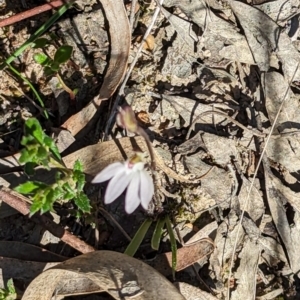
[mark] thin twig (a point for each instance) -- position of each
(132, 14)
(220, 113)
(41, 110)
(20, 203)
(116, 223)
(31, 12)
(37, 34)
(65, 87)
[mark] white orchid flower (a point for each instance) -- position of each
(131, 175)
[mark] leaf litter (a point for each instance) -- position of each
(235, 58)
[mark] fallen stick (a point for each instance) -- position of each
(20, 203)
(31, 12)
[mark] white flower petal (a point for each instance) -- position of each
(108, 172)
(132, 200)
(146, 189)
(116, 186)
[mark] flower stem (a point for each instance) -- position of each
(143, 134)
(65, 87)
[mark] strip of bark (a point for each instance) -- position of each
(31, 12)
(20, 203)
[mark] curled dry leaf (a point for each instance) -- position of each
(120, 40)
(119, 275)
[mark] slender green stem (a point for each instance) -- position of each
(37, 34)
(65, 87)
(58, 165)
(173, 245)
(138, 238)
(32, 88)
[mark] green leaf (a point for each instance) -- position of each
(29, 168)
(63, 54)
(42, 153)
(80, 178)
(155, 241)
(77, 166)
(71, 192)
(41, 59)
(68, 196)
(28, 155)
(52, 146)
(75, 91)
(30, 187)
(33, 127)
(58, 193)
(55, 66)
(138, 238)
(173, 245)
(48, 71)
(35, 207)
(83, 202)
(40, 43)
(48, 201)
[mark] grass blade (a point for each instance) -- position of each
(173, 245)
(37, 34)
(138, 238)
(155, 241)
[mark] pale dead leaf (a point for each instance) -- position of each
(276, 199)
(279, 10)
(275, 91)
(109, 271)
(221, 38)
(191, 292)
(187, 108)
(264, 37)
(261, 32)
(182, 27)
(246, 272)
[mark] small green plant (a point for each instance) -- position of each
(40, 150)
(52, 66)
(156, 237)
(9, 293)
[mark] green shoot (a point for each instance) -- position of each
(29, 42)
(173, 245)
(32, 88)
(52, 66)
(40, 150)
(138, 238)
(9, 293)
(156, 237)
(37, 34)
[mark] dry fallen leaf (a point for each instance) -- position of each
(119, 275)
(266, 38)
(120, 41)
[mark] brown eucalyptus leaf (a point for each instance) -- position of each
(186, 256)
